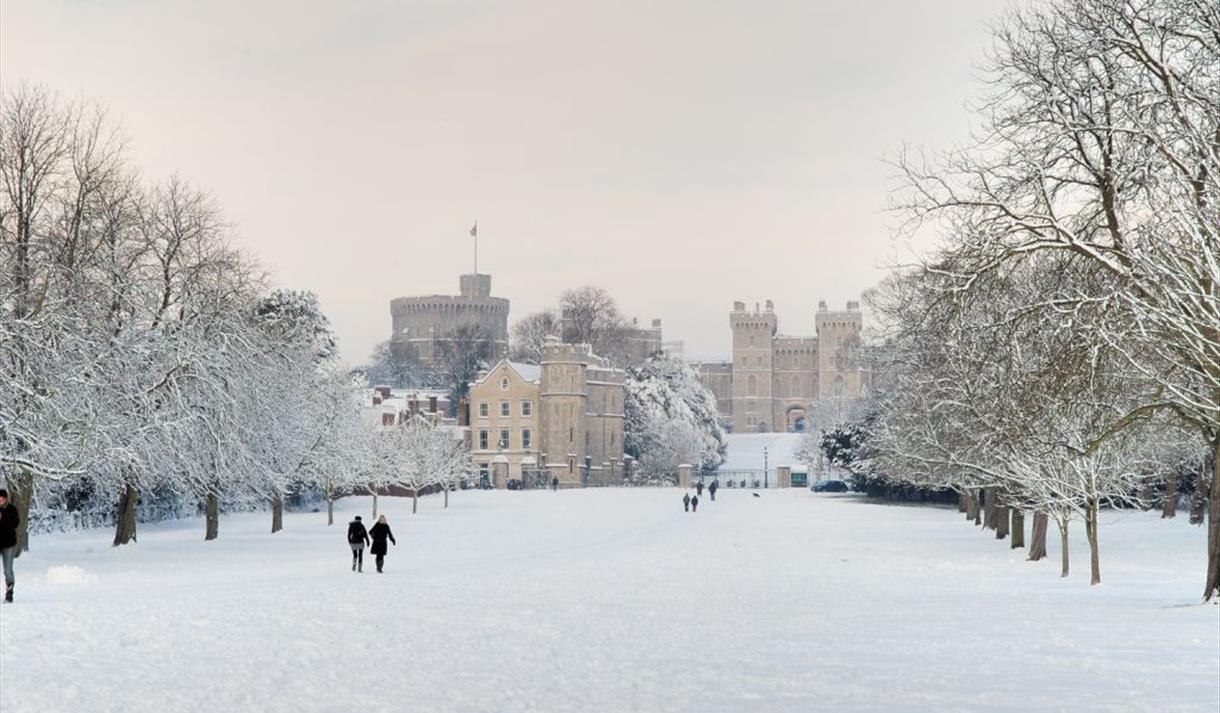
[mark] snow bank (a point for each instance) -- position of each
(746, 450)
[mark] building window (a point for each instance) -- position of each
(503, 438)
(483, 440)
(527, 441)
(504, 384)
(505, 409)
(484, 409)
(527, 408)
(571, 434)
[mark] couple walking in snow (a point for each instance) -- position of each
(358, 537)
(690, 504)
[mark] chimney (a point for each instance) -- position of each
(822, 306)
(656, 324)
(770, 306)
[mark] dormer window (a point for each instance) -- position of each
(504, 384)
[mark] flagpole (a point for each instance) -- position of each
(476, 247)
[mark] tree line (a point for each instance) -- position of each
(143, 354)
(1058, 351)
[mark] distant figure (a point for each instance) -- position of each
(379, 533)
(756, 495)
(699, 488)
(555, 484)
(694, 504)
(9, 520)
(711, 490)
(357, 537)
(686, 502)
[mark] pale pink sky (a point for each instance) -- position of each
(680, 154)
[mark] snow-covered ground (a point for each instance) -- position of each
(746, 450)
(612, 600)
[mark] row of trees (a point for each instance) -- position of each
(670, 419)
(141, 352)
(1060, 349)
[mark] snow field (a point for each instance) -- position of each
(612, 600)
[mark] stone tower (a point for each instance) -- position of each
(752, 366)
(838, 337)
(426, 325)
(562, 405)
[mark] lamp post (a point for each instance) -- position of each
(766, 482)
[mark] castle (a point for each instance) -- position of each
(777, 382)
(427, 325)
(561, 419)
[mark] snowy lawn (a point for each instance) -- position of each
(612, 600)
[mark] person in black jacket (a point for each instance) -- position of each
(379, 533)
(711, 489)
(694, 504)
(686, 502)
(9, 520)
(699, 488)
(357, 537)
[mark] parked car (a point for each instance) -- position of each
(829, 486)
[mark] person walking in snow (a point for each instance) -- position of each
(686, 502)
(699, 488)
(9, 520)
(555, 484)
(694, 504)
(379, 533)
(711, 490)
(357, 537)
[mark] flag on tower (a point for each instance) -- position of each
(474, 230)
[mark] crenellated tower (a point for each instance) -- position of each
(753, 332)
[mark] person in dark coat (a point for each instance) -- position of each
(357, 537)
(379, 533)
(555, 484)
(694, 504)
(686, 502)
(711, 489)
(699, 488)
(9, 520)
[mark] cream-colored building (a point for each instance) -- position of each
(561, 419)
(776, 382)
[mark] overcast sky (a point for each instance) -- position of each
(682, 155)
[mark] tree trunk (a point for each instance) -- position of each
(978, 518)
(374, 505)
(446, 487)
(989, 508)
(1001, 521)
(20, 492)
(1037, 545)
(1198, 499)
(1090, 528)
(961, 501)
(972, 508)
(212, 517)
(1212, 587)
(1169, 508)
(414, 500)
(1018, 528)
(277, 513)
(125, 526)
(330, 511)
(1063, 544)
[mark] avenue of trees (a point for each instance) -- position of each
(1058, 352)
(143, 356)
